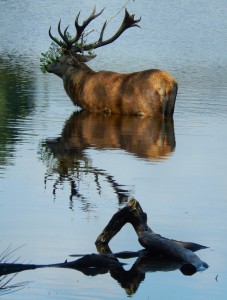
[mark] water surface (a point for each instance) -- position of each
(63, 174)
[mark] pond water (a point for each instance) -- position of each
(63, 174)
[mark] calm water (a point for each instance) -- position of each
(64, 174)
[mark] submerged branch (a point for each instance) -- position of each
(156, 244)
(159, 254)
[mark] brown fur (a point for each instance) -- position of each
(150, 92)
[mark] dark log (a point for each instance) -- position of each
(88, 261)
(181, 251)
(176, 254)
(92, 261)
(9, 268)
(122, 254)
(160, 245)
(132, 213)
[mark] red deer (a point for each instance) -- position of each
(147, 93)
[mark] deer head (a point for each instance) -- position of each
(74, 51)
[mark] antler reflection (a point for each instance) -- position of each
(147, 138)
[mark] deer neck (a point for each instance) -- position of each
(74, 83)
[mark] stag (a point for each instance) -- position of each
(147, 93)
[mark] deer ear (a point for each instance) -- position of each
(84, 58)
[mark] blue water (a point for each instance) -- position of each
(63, 175)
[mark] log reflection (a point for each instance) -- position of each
(147, 138)
(164, 255)
(98, 264)
(130, 280)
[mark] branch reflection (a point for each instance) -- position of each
(66, 156)
(6, 279)
(93, 265)
(130, 280)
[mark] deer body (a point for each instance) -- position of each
(150, 93)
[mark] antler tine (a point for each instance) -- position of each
(80, 28)
(127, 22)
(64, 36)
(59, 43)
(102, 32)
(65, 32)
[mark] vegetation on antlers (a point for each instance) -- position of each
(78, 44)
(55, 52)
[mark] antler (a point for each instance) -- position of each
(127, 22)
(80, 28)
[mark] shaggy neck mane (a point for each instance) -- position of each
(74, 82)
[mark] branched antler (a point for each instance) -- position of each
(128, 21)
(80, 28)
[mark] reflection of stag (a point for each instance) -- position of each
(150, 138)
(145, 137)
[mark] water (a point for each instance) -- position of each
(63, 174)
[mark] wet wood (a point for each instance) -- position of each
(163, 246)
(87, 261)
(132, 213)
(176, 254)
